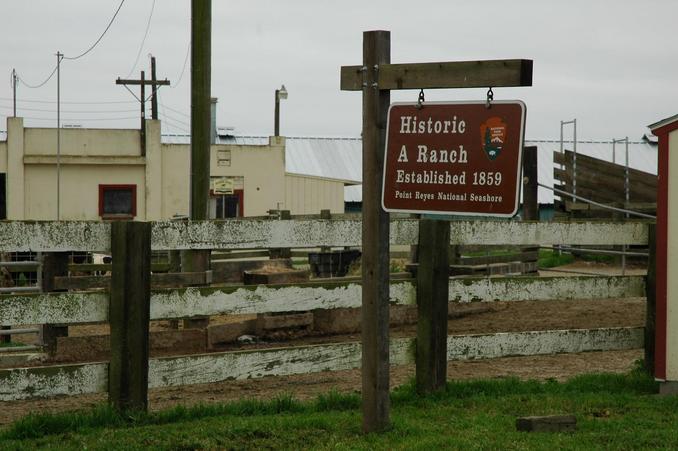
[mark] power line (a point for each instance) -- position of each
(103, 102)
(183, 69)
(176, 111)
(70, 111)
(39, 85)
(143, 41)
(100, 37)
(82, 118)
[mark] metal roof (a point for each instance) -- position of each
(330, 158)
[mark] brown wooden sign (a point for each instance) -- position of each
(454, 158)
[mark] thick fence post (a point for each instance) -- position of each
(651, 304)
(129, 315)
(375, 239)
(530, 186)
(54, 264)
(432, 299)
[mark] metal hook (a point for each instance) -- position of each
(490, 98)
(420, 100)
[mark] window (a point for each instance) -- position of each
(117, 201)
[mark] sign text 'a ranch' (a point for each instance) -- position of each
(454, 158)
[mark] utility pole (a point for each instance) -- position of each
(14, 92)
(142, 82)
(201, 124)
(154, 96)
(201, 71)
(59, 56)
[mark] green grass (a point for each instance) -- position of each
(551, 259)
(11, 344)
(613, 412)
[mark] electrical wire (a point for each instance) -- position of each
(103, 102)
(100, 37)
(183, 68)
(42, 110)
(39, 85)
(176, 111)
(143, 41)
(176, 120)
(84, 119)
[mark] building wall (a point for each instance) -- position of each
(89, 158)
(263, 170)
(79, 190)
(672, 261)
(309, 195)
(3, 156)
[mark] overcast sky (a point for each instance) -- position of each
(613, 65)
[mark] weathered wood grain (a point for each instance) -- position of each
(25, 383)
(50, 381)
(457, 74)
(53, 308)
(547, 233)
(545, 288)
(49, 236)
(74, 308)
(266, 234)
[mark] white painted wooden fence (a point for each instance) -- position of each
(75, 308)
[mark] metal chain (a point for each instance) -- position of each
(490, 98)
(420, 100)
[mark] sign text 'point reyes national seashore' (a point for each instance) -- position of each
(454, 158)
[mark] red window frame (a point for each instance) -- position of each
(103, 188)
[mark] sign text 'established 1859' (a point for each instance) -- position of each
(454, 158)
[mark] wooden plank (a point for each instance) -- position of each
(432, 299)
(593, 181)
(51, 381)
(469, 347)
(160, 280)
(77, 308)
(53, 308)
(129, 315)
(456, 74)
(26, 383)
(549, 423)
(51, 236)
(548, 233)
(312, 233)
(106, 267)
(545, 288)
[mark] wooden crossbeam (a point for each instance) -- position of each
(461, 74)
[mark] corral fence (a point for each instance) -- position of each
(130, 304)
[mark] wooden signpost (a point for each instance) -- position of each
(375, 78)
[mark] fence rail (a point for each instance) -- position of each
(92, 307)
(265, 234)
(62, 309)
(26, 383)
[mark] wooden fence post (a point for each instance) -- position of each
(432, 299)
(54, 264)
(651, 304)
(375, 239)
(530, 186)
(129, 315)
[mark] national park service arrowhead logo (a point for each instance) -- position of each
(493, 136)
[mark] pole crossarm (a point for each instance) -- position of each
(461, 74)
